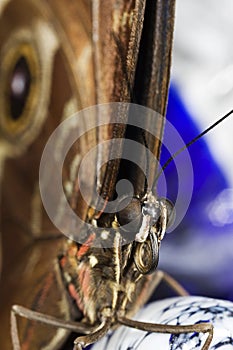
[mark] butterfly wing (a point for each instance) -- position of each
(89, 55)
(31, 244)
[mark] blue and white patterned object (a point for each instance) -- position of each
(176, 311)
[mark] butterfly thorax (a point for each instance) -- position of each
(100, 279)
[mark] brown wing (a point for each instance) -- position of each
(132, 57)
(153, 70)
(117, 28)
(36, 48)
(77, 53)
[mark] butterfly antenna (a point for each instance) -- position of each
(187, 145)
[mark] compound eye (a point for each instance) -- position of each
(131, 215)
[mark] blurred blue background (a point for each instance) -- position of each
(199, 253)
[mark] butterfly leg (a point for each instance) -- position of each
(83, 341)
(45, 319)
(162, 276)
(170, 329)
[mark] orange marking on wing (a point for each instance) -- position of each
(33, 324)
(63, 261)
(97, 216)
(75, 296)
(86, 286)
(85, 246)
(46, 289)
(84, 277)
(25, 345)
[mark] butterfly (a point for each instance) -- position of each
(123, 60)
(82, 62)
